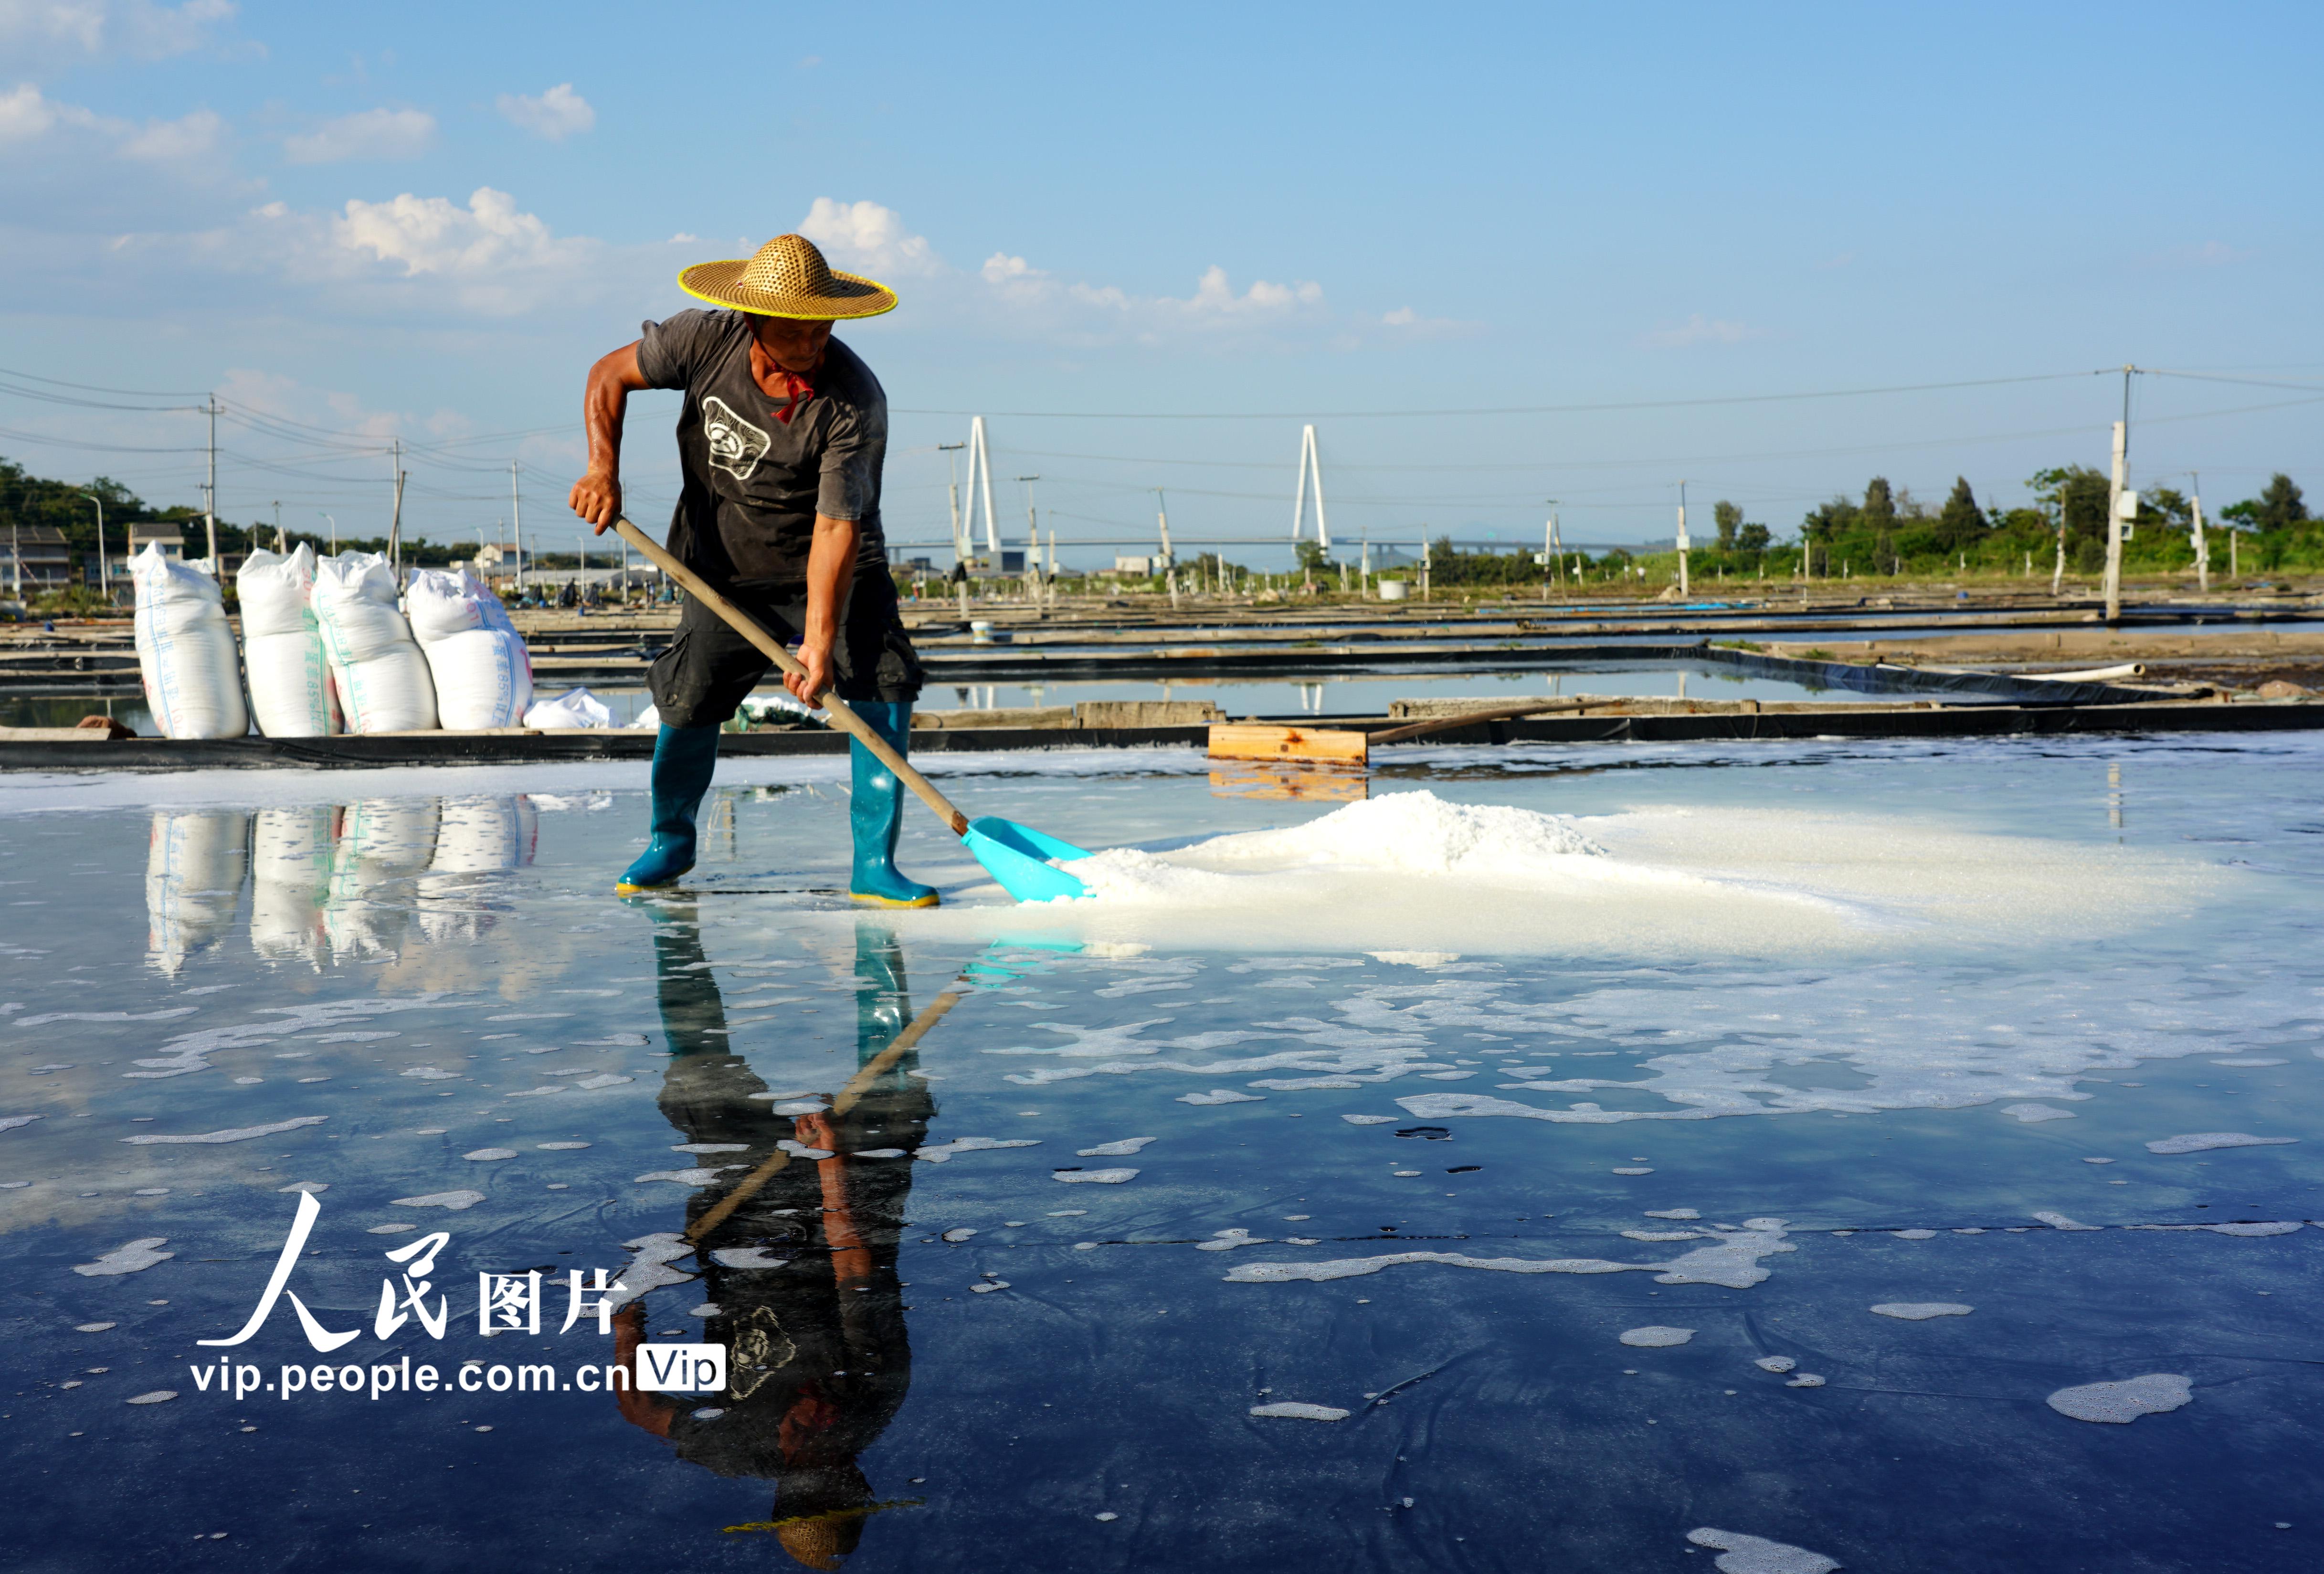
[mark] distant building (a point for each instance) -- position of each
(165, 536)
(37, 556)
(1123, 564)
(492, 555)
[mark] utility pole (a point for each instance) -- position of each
(395, 520)
(1552, 549)
(1162, 515)
(1032, 539)
(278, 527)
(516, 528)
(1682, 542)
(335, 532)
(209, 493)
(2120, 500)
(104, 571)
(2202, 547)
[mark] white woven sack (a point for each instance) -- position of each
(383, 679)
(482, 673)
(574, 708)
(185, 650)
(289, 677)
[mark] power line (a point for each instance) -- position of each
(1492, 409)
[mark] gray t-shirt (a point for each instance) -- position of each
(753, 481)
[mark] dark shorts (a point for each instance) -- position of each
(709, 669)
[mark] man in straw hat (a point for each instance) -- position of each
(780, 438)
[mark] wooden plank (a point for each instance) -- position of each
(53, 735)
(1245, 741)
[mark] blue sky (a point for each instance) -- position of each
(1151, 242)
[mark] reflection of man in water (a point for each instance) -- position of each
(799, 1255)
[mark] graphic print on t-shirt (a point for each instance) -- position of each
(735, 445)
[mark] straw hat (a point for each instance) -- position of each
(787, 278)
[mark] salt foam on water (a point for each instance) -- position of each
(1742, 1554)
(1654, 1337)
(2122, 1403)
(2203, 1142)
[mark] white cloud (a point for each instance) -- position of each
(2211, 254)
(26, 115)
(555, 116)
(1213, 296)
(272, 393)
(190, 136)
(867, 238)
(1094, 312)
(429, 235)
(373, 134)
(56, 30)
(1409, 324)
(1000, 268)
(1700, 329)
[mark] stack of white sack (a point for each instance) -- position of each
(483, 675)
(574, 708)
(290, 677)
(185, 651)
(383, 679)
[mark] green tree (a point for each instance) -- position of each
(2076, 499)
(1879, 510)
(2279, 505)
(1961, 524)
(1731, 520)
(2165, 505)
(1752, 538)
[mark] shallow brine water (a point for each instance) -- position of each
(1774, 1158)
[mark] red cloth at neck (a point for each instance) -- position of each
(799, 389)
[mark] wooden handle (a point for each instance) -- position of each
(773, 649)
(1506, 713)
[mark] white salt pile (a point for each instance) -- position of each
(1921, 1310)
(1292, 1410)
(1492, 879)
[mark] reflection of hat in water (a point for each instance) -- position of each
(822, 1542)
(788, 277)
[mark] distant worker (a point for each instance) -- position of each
(780, 438)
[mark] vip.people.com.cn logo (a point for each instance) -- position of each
(506, 1303)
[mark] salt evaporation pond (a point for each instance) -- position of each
(1884, 1156)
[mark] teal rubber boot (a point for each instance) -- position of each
(876, 813)
(684, 758)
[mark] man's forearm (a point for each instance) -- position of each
(603, 406)
(830, 574)
(596, 496)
